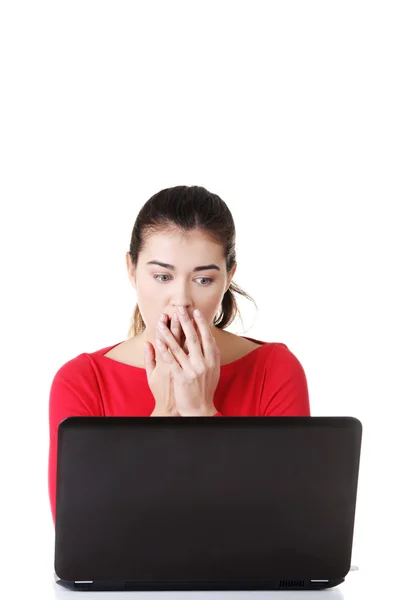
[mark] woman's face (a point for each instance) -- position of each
(162, 288)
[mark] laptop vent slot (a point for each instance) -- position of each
(291, 583)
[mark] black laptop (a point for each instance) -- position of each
(200, 503)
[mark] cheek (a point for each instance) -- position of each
(149, 309)
(211, 310)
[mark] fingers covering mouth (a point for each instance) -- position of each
(168, 323)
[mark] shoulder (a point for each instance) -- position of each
(76, 378)
(79, 365)
(83, 364)
(285, 387)
(74, 390)
(283, 358)
(263, 352)
(276, 361)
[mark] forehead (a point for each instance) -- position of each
(178, 246)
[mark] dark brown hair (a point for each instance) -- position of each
(188, 208)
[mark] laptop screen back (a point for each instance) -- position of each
(202, 499)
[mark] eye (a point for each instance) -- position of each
(162, 275)
(209, 280)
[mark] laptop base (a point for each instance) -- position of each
(283, 584)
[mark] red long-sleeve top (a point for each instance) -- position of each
(268, 381)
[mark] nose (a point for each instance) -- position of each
(181, 296)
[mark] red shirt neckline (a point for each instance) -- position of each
(233, 364)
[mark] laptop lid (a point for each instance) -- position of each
(206, 503)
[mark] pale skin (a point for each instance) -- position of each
(190, 371)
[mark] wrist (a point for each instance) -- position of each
(205, 412)
(157, 413)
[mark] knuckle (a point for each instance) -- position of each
(188, 376)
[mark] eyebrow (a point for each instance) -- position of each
(172, 268)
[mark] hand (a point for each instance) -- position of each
(195, 375)
(159, 377)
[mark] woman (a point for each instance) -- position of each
(181, 260)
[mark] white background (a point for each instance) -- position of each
(287, 110)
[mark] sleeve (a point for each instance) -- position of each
(74, 392)
(285, 389)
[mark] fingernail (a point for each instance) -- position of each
(182, 310)
(197, 312)
(176, 318)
